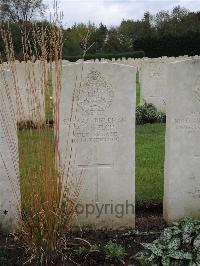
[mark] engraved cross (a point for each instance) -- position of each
(96, 166)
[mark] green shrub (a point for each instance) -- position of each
(147, 113)
(169, 44)
(114, 252)
(177, 245)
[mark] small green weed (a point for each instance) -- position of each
(81, 251)
(114, 252)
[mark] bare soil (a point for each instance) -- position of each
(149, 223)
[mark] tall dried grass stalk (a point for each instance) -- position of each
(47, 205)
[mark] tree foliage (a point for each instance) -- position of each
(20, 10)
(167, 33)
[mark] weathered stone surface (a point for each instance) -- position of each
(102, 158)
(30, 84)
(182, 155)
(153, 83)
(9, 159)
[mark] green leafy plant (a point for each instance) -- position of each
(147, 113)
(94, 248)
(85, 251)
(177, 245)
(81, 251)
(114, 252)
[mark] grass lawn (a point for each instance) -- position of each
(149, 153)
(150, 162)
(149, 159)
(36, 164)
(137, 89)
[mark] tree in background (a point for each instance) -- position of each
(98, 38)
(113, 43)
(74, 38)
(166, 33)
(71, 45)
(173, 33)
(21, 10)
(131, 30)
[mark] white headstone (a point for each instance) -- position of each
(9, 158)
(182, 158)
(103, 149)
(154, 83)
(103, 60)
(30, 84)
(80, 60)
(65, 62)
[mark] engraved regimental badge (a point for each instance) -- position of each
(96, 94)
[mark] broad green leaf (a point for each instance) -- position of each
(187, 228)
(142, 254)
(165, 261)
(154, 263)
(153, 248)
(180, 255)
(187, 256)
(152, 257)
(178, 263)
(193, 263)
(197, 227)
(166, 235)
(198, 257)
(196, 242)
(174, 244)
(176, 230)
